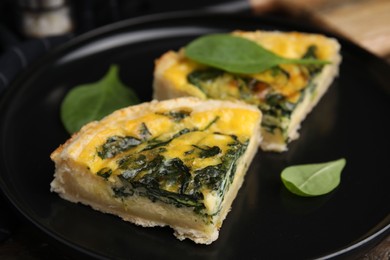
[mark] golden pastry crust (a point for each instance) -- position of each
(76, 177)
(172, 68)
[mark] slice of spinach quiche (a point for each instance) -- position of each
(177, 163)
(285, 94)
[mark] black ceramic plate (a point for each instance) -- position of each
(266, 221)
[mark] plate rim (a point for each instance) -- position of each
(370, 237)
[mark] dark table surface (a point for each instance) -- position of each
(19, 239)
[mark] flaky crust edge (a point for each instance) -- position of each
(69, 177)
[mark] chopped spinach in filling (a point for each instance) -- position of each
(148, 173)
(276, 106)
(207, 151)
(177, 116)
(117, 144)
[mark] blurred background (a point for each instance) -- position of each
(23, 19)
(366, 21)
(29, 28)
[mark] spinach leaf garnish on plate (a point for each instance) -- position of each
(238, 55)
(313, 179)
(93, 101)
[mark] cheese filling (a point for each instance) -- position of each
(276, 92)
(182, 157)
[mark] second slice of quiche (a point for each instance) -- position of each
(285, 94)
(176, 163)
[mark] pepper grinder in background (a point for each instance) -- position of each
(42, 18)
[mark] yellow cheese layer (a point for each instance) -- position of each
(226, 87)
(209, 123)
(289, 45)
(177, 76)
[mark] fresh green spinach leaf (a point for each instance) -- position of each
(313, 179)
(237, 55)
(93, 101)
